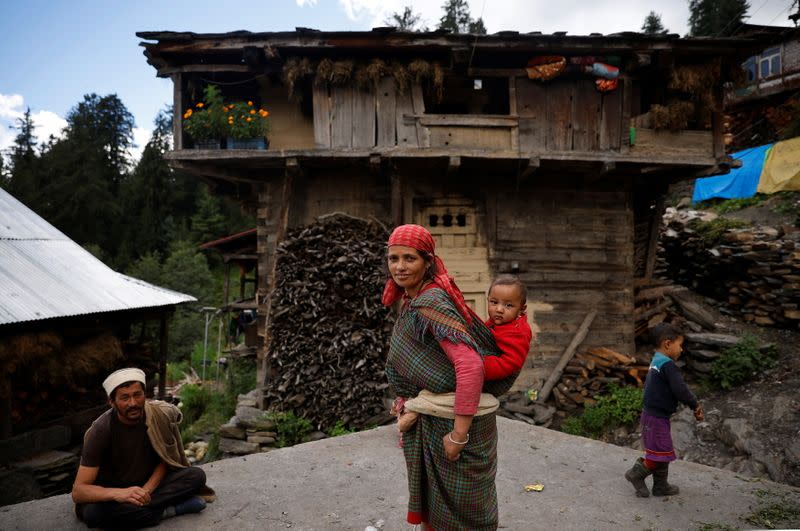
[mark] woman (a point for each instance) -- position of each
(436, 346)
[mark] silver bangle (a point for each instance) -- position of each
(450, 438)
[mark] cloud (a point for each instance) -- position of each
(12, 108)
(140, 138)
(47, 123)
(303, 3)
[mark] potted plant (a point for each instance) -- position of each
(205, 123)
(247, 126)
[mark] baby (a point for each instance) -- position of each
(511, 332)
(509, 326)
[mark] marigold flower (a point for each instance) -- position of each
(187, 113)
(250, 103)
(199, 105)
(249, 119)
(263, 113)
(252, 111)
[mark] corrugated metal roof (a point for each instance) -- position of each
(44, 274)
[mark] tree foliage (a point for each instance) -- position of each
(405, 21)
(458, 19)
(716, 18)
(141, 217)
(652, 24)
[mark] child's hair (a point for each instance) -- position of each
(664, 331)
(511, 280)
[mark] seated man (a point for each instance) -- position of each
(133, 470)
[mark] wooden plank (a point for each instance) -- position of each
(162, 358)
(469, 137)
(532, 109)
(497, 72)
(559, 116)
(342, 117)
(322, 116)
(177, 111)
(580, 335)
(406, 133)
(418, 103)
(386, 108)
(363, 119)
(717, 129)
(585, 116)
(678, 144)
(626, 86)
(610, 120)
(467, 120)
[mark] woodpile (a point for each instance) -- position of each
(329, 331)
(591, 370)
(752, 273)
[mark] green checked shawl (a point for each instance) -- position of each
(447, 494)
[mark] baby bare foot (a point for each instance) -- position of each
(406, 420)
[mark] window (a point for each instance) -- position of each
(769, 63)
(750, 69)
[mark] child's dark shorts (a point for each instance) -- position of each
(657, 438)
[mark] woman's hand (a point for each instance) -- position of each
(452, 450)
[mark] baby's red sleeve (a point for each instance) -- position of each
(513, 340)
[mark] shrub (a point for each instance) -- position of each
(741, 362)
(340, 429)
(621, 406)
(711, 232)
(291, 429)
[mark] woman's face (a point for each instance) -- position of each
(407, 268)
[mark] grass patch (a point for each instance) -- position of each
(774, 514)
(712, 232)
(741, 362)
(716, 527)
(723, 206)
(620, 407)
(340, 429)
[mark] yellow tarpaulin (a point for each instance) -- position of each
(781, 168)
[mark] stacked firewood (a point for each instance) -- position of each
(589, 372)
(753, 273)
(329, 331)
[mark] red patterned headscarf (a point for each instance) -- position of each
(420, 239)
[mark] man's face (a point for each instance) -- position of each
(128, 402)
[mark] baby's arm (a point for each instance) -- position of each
(513, 345)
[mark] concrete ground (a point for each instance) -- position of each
(354, 481)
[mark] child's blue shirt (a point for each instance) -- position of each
(664, 388)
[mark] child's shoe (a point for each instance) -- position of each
(660, 485)
(636, 476)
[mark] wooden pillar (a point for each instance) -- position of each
(162, 358)
(397, 198)
(652, 241)
(177, 110)
(5, 407)
(272, 222)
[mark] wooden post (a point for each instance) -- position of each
(177, 111)
(274, 219)
(5, 407)
(162, 359)
(397, 198)
(652, 243)
(580, 335)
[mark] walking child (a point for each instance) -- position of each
(664, 389)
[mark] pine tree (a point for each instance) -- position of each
(407, 21)
(652, 25)
(716, 18)
(23, 180)
(208, 223)
(457, 18)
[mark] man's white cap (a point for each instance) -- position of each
(117, 378)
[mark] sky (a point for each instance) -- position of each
(54, 52)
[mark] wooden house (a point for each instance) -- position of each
(546, 156)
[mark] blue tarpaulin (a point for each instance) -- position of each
(740, 182)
